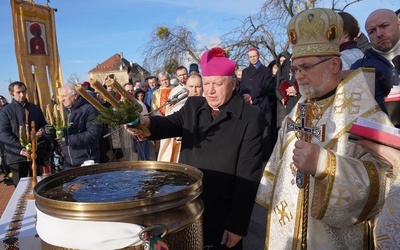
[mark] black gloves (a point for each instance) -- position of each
(63, 141)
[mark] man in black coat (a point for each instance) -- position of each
(222, 136)
(255, 88)
(19, 113)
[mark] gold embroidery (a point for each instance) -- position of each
(341, 198)
(311, 30)
(269, 175)
(280, 210)
(331, 178)
(348, 103)
(373, 192)
(354, 74)
(271, 202)
(334, 139)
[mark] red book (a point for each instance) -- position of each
(283, 88)
(394, 94)
(376, 132)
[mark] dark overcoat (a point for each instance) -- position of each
(12, 116)
(228, 149)
(257, 83)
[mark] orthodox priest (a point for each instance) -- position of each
(321, 189)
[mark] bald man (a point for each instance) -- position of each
(383, 29)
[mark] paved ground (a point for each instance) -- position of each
(256, 236)
(5, 194)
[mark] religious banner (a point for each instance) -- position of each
(36, 50)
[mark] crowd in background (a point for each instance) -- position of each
(272, 89)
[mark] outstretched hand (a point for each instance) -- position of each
(136, 131)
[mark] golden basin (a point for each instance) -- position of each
(144, 193)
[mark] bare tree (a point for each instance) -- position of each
(266, 30)
(170, 44)
(73, 78)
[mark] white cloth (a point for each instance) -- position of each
(350, 56)
(77, 234)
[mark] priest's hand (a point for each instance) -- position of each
(305, 157)
(230, 239)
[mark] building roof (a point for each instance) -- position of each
(118, 62)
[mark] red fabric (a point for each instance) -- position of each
(283, 88)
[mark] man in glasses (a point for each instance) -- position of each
(320, 188)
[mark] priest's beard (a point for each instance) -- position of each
(313, 91)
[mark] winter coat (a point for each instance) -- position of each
(83, 135)
(257, 83)
(12, 116)
(386, 74)
(228, 149)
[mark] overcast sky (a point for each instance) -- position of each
(90, 31)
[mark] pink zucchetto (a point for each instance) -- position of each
(253, 49)
(215, 63)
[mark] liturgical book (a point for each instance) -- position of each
(376, 132)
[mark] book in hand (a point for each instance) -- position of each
(374, 131)
(285, 85)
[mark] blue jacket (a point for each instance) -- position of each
(11, 117)
(83, 135)
(386, 74)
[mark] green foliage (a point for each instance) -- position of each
(162, 32)
(58, 123)
(25, 138)
(127, 112)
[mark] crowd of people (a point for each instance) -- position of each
(275, 134)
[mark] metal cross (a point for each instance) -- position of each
(290, 75)
(305, 130)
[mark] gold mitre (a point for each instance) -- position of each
(315, 32)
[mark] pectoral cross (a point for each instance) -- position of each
(304, 130)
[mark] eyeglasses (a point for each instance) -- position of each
(306, 68)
